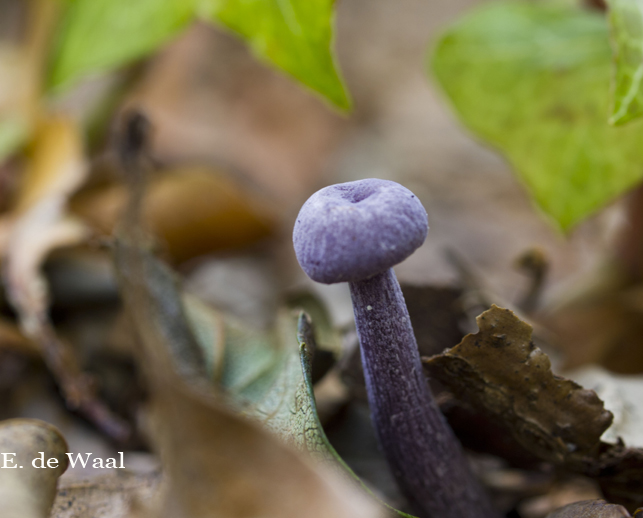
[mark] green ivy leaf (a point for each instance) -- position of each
(295, 35)
(626, 24)
(99, 35)
(532, 78)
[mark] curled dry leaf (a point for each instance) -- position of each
(40, 225)
(590, 509)
(193, 210)
(500, 370)
(29, 492)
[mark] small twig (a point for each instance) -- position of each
(132, 146)
(77, 387)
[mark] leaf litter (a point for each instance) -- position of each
(501, 372)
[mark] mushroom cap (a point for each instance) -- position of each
(351, 231)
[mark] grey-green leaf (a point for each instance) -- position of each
(626, 25)
(98, 35)
(295, 35)
(267, 374)
(532, 79)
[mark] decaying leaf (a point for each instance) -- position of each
(193, 210)
(500, 370)
(27, 487)
(327, 336)
(107, 496)
(590, 509)
(39, 225)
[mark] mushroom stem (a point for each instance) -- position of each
(424, 454)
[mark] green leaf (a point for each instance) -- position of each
(532, 78)
(294, 35)
(626, 24)
(267, 374)
(98, 35)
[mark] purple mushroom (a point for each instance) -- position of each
(356, 232)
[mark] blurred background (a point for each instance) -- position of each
(236, 146)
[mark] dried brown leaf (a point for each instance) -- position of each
(193, 210)
(26, 490)
(501, 371)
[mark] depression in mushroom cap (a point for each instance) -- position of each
(352, 231)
